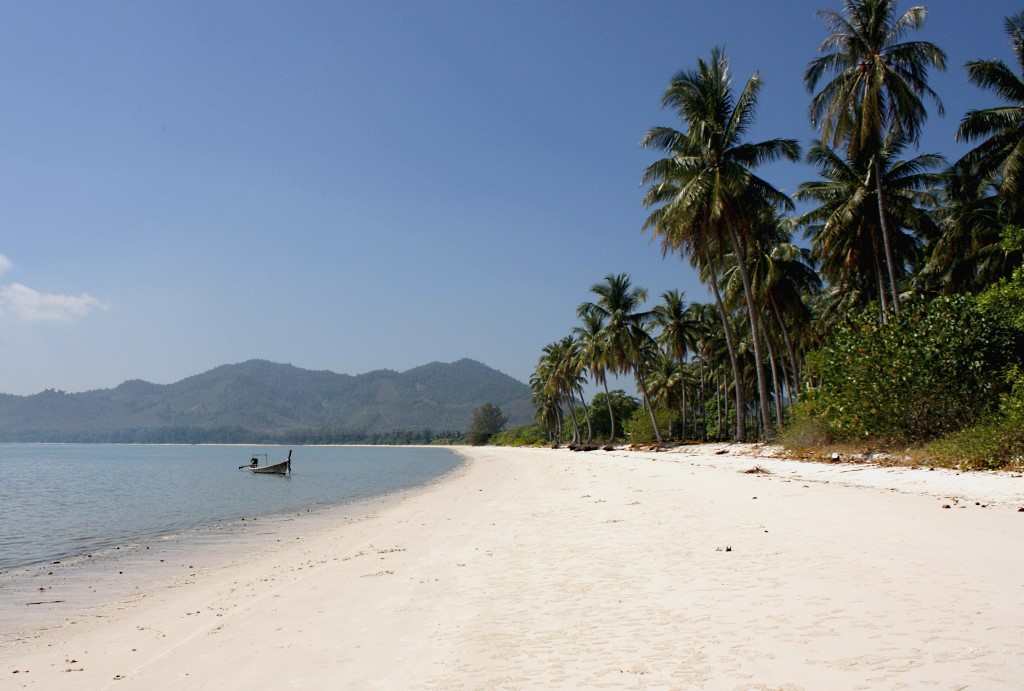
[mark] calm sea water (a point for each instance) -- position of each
(58, 500)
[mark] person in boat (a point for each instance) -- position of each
(254, 462)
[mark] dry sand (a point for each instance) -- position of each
(548, 569)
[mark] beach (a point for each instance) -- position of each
(529, 568)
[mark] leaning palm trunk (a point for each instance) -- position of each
(611, 415)
(762, 385)
(572, 412)
(740, 405)
(775, 380)
(794, 368)
(885, 236)
(586, 415)
(647, 403)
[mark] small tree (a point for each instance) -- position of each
(487, 421)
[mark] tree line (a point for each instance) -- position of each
(888, 231)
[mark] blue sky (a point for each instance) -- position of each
(353, 186)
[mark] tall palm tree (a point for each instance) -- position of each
(619, 305)
(678, 333)
(845, 226)
(593, 353)
(711, 167)
(666, 380)
(878, 85)
(1001, 154)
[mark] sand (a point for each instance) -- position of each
(549, 569)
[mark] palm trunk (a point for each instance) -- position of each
(586, 416)
(762, 385)
(611, 414)
(572, 411)
(732, 351)
(789, 346)
(885, 236)
(775, 380)
(882, 299)
(719, 396)
(682, 406)
(647, 402)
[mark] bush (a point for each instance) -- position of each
(623, 406)
(994, 443)
(527, 435)
(638, 426)
(936, 369)
(805, 429)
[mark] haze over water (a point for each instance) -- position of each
(58, 500)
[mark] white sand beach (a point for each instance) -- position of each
(552, 569)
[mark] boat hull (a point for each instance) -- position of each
(282, 468)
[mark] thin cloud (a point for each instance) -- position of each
(5, 265)
(29, 304)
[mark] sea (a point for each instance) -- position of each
(65, 501)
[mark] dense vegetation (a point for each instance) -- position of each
(885, 311)
(241, 435)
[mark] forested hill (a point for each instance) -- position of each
(260, 400)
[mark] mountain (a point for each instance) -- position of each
(263, 399)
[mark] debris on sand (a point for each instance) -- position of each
(757, 470)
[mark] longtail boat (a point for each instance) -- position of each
(282, 468)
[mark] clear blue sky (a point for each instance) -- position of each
(357, 186)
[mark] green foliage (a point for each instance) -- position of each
(994, 443)
(1004, 301)
(638, 426)
(487, 421)
(805, 429)
(527, 435)
(934, 370)
(1012, 239)
(623, 406)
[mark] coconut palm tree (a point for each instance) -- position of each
(593, 354)
(878, 84)
(678, 333)
(1001, 154)
(845, 227)
(711, 168)
(619, 305)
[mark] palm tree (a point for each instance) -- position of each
(619, 305)
(666, 379)
(594, 356)
(711, 169)
(1001, 155)
(678, 333)
(877, 87)
(969, 254)
(845, 226)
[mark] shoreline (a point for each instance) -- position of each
(115, 574)
(534, 567)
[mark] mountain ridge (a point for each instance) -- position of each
(269, 398)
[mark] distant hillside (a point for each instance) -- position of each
(262, 399)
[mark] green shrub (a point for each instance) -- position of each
(995, 442)
(936, 369)
(527, 435)
(806, 429)
(623, 406)
(638, 426)
(1004, 301)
